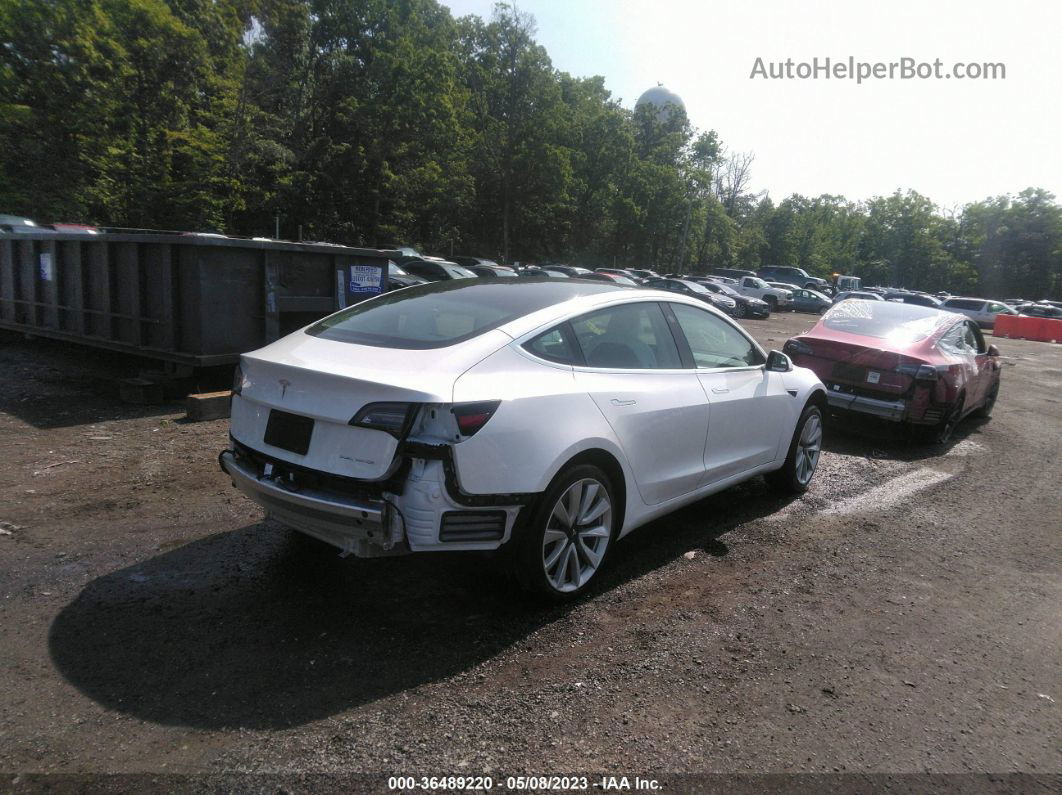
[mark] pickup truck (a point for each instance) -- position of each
(797, 276)
(756, 287)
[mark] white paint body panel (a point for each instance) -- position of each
(688, 433)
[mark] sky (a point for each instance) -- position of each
(953, 140)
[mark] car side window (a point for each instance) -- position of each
(627, 337)
(974, 341)
(555, 345)
(954, 342)
(714, 342)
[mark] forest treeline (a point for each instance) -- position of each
(376, 122)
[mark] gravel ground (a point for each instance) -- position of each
(901, 617)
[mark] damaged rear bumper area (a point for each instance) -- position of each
(420, 508)
(918, 409)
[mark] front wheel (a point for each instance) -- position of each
(772, 303)
(569, 535)
(985, 411)
(804, 452)
(740, 310)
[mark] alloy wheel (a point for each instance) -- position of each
(948, 427)
(809, 448)
(577, 534)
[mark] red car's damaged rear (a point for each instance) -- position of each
(901, 362)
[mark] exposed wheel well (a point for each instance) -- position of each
(818, 398)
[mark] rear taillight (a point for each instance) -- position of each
(794, 346)
(392, 418)
(239, 381)
(473, 416)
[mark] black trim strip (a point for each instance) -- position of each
(683, 344)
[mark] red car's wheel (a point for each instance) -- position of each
(990, 402)
(942, 432)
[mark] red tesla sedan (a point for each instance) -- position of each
(902, 362)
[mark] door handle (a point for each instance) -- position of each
(720, 390)
(618, 402)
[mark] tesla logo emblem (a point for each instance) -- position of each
(284, 384)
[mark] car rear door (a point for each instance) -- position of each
(633, 372)
(749, 410)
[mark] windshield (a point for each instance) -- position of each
(457, 272)
(697, 288)
(722, 289)
(444, 313)
(897, 323)
(757, 283)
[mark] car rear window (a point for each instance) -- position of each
(884, 320)
(445, 313)
(963, 303)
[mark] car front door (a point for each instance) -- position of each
(633, 372)
(748, 411)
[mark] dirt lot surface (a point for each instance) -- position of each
(904, 616)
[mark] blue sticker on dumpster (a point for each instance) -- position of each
(365, 278)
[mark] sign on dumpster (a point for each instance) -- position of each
(356, 282)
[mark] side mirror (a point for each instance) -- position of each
(993, 350)
(778, 362)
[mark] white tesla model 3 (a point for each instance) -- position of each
(547, 418)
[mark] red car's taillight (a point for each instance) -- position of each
(473, 416)
(794, 347)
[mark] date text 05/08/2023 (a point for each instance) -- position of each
(523, 783)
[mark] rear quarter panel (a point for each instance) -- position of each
(544, 420)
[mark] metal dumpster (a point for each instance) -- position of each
(190, 299)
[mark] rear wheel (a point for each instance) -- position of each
(569, 535)
(804, 452)
(942, 432)
(985, 411)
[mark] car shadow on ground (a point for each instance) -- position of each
(869, 437)
(263, 628)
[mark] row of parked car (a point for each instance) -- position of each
(748, 297)
(982, 310)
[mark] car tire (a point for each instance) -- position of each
(740, 310)
(560, 554)
(985, 410)
(942, 432)
(805, 450)
(772, 303)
